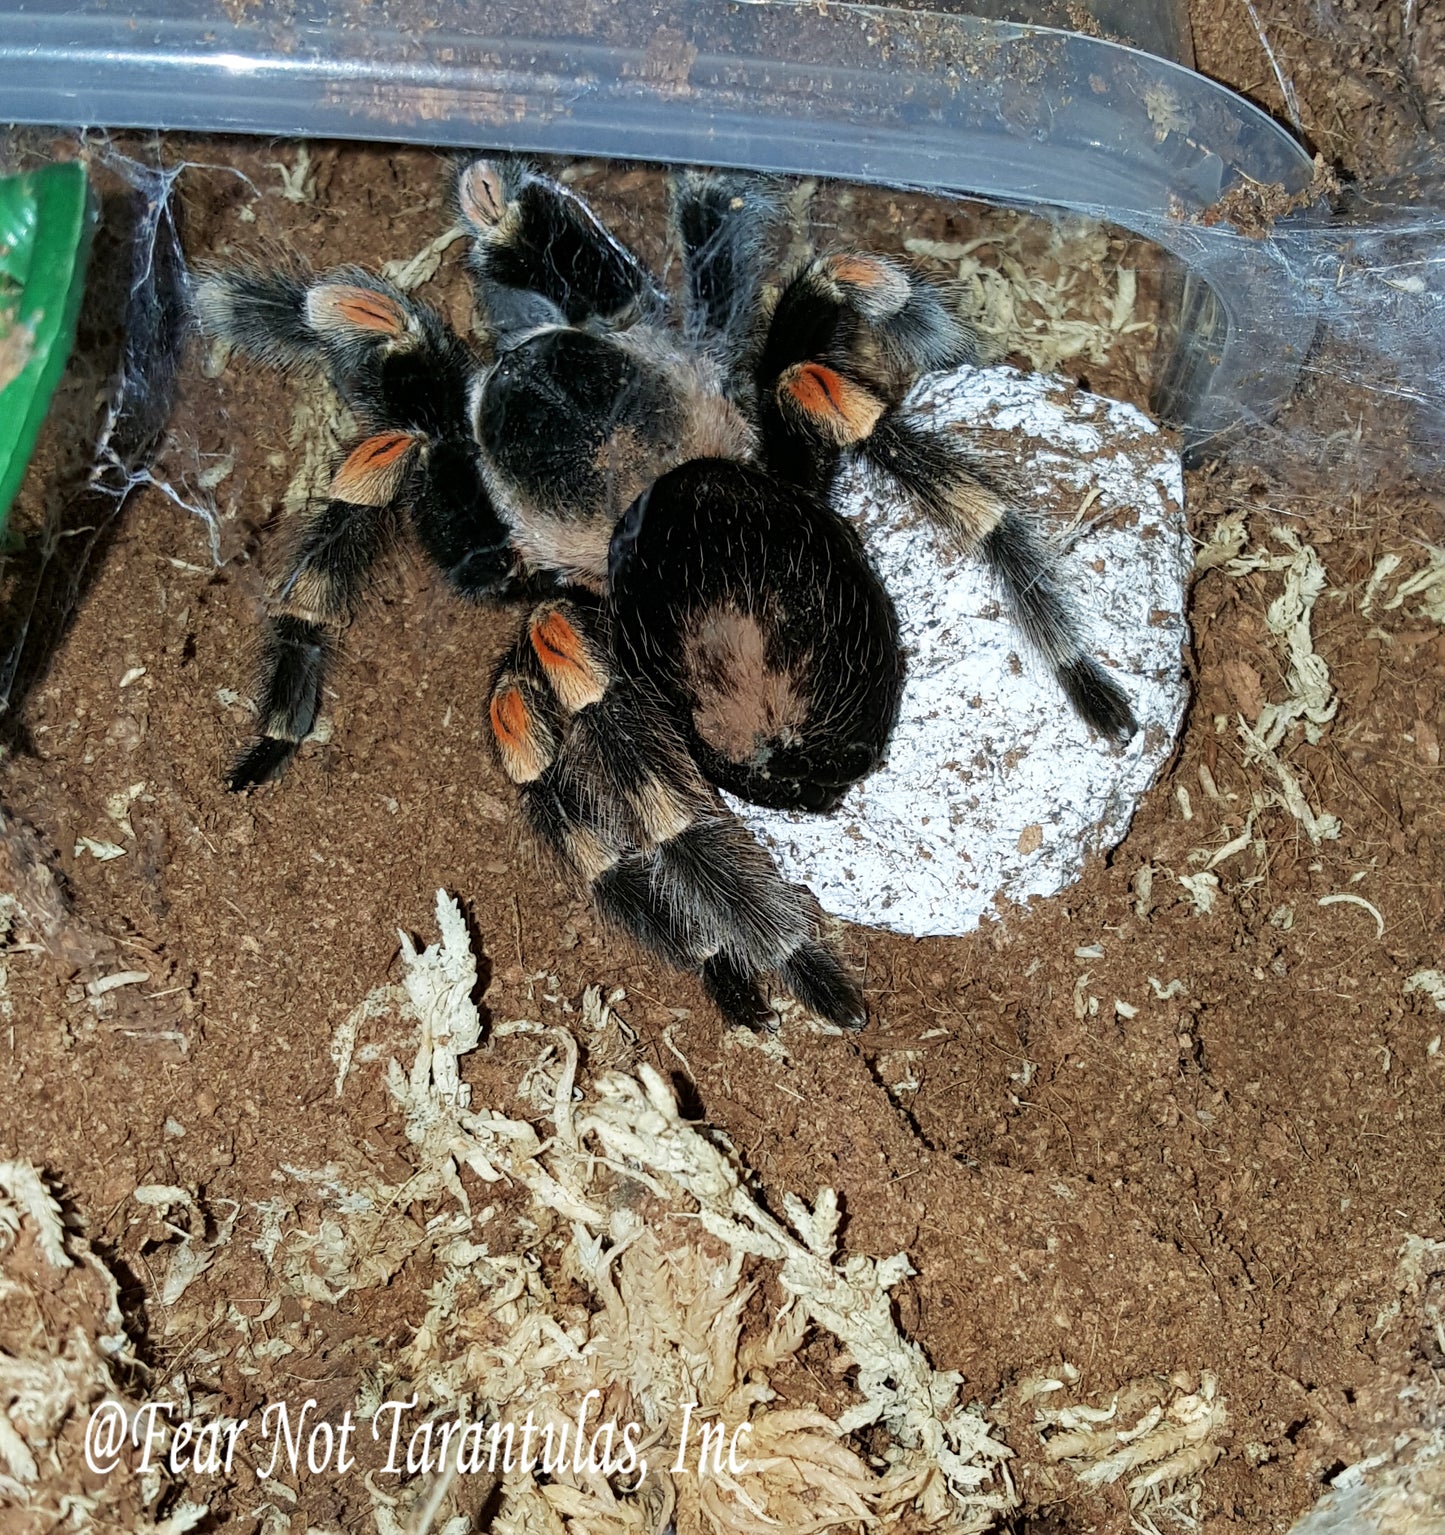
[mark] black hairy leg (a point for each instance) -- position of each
(335, 543)
(607, 784)
(960, 495)
(294, 653)
(846, 340)
(540, 256)
(753, 610)
(849, 337)
(406, 377)
(722, 224)
(404, 373)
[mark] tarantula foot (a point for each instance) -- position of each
(816, 978)
(737, 996)
(1098, 699)
(800, 794)
(260, 762)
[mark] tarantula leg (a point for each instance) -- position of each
(525, 739)
(827, 405)
(868, 316)
(296, 322)
(532, 240)
(408, 378)
(411, 378)
(908, 319)
(848, 337)
(261, 313)
(722, 224)
(395, 361)
(717, 875)
(457, 524)
(962, 497)
(1028, 573)
(294, 654)
(607, 783)
(373, 473)
(737, 995)
(814, 976)
(352, 313)
(333, 551)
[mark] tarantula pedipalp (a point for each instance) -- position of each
(716, 622)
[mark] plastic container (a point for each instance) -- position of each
(1019, 114)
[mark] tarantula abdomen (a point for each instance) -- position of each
(753, 609)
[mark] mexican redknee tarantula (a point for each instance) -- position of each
(711, 622)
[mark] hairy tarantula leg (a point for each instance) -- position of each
(395, 361)
(534, 240)
(1027, 571)
(848, 329)
(716, 873)
(296, 322)
(607, 783)
(457, 524)
(869, 316)
(812, 417)
(722, 224)
(294, 655)
(815, 977)
(373, 473)
(354, 319)
(404, 372)
(960, 495)
(525, 739)
(627, 896)
(827, 406)
(334, 550)
(261, 313)
(737, 996)
(908, 317)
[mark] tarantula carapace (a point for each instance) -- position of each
(711, 621)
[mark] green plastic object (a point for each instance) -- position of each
(46, 219)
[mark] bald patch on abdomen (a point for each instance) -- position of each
(746, 707)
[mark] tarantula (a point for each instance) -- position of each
(711, 621)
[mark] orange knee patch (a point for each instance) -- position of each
(525, 752)
(372, 472)
(577, 677)
(332, 306)
(880, 288)
(861, 271)
(838, 409)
